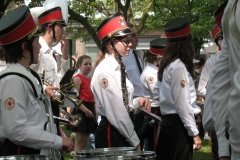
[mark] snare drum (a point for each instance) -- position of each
(100, 153)
(143, 154)
(123, 158)
(25, 157)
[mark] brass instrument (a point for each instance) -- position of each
(75, 119)
(77, 102)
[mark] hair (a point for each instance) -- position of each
(2, 55)
(201, 62)
(130, 25)
(180, 49)
(150, 57)
(14, 52)
(81, 59)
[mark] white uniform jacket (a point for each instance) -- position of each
(207, 119)
(226, 86)
(22, 115)
(2, 67)
(133, 73)
(178, 95)
(205, 74)
(106, 87)
(149, 81)
(54, 70)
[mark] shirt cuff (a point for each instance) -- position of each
(134, 141)
(57, 142)
(223, 147)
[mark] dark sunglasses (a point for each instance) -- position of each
(127, 41)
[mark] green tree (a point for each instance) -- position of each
(199, 11)
(146, 15)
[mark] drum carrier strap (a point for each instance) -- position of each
(26, 75)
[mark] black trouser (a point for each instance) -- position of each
(9, 148)
(174, 142)
(214, 146)
(55, 110)
(108, 136)
(138, 120)
(148, 131)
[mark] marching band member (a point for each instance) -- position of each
(134, 67)
(149, 81)
(206, 81)
(208, 66)
(112, 90)
(51, 22)
(177, 94)
(22, 113)
(225, 84)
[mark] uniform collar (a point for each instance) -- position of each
(16, 65)
(44, 46)
(152, 65)
(114, 63)
(2, 63)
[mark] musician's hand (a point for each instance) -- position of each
(145, 103)
(50, 90)
(67, 144)
(200, 98)
(138, 147)
(197, 143)
(64, 46)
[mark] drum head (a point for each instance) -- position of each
(25, 157)
(102, 152)
(143, 154)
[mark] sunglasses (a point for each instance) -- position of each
(127, 41)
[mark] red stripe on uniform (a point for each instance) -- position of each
(19, 150)
(114, 25)
(158, 51)
(108, 135)
(56, 15)
(21, 31)
(183, 32)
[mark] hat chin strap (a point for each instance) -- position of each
(53, 30)
(115, 51)
(31, 51)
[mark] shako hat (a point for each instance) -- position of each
(53, 15)
(216, 32)
(177, 29)
(157, 46)
(219, 13)
(16, 25)
(114, 26)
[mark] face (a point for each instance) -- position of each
(59, 31)
(134, 37)
(86, 66)
(36, 49)
(124, 45)
(220, 41)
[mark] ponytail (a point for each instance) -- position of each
(100, 57)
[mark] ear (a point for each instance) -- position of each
(24, 47)
(49, 27)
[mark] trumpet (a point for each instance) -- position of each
(75, 119)
(63, 96)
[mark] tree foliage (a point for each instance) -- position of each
(146, 15)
